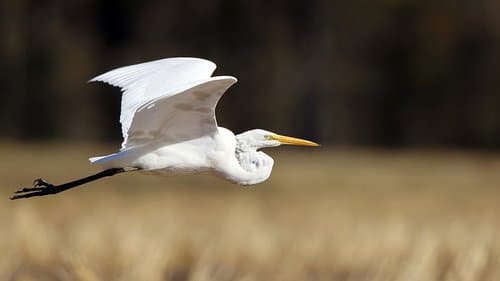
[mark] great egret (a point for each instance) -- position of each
(169, 127)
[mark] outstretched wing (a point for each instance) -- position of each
(144, 82)
(185, 114)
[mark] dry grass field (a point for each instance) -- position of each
(323, 215)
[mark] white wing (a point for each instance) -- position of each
(143, 82)
(185, 114)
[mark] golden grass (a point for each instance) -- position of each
(323, 215)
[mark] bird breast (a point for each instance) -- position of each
(252, 161)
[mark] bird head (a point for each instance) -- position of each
(259, 138)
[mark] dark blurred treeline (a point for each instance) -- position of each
(366, 72)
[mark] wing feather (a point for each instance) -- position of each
(140, 83)
(187, 114)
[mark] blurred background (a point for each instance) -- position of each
(379, 73)
(402, 94)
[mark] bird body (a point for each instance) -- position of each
(169, 127)
(220, 153)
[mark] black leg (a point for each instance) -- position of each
(41, 187)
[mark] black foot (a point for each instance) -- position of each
(40, 188)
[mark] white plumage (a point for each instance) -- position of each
(145, 84)
(169, 127)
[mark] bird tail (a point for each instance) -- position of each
(115, 160)
(99, 159)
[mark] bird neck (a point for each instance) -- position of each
(238, 162)
(257, 164)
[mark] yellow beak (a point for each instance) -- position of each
(292, 141)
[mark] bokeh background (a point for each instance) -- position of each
(403, 95)
(390, 73)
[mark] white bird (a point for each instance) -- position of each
(169, 127)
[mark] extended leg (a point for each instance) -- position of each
(41, 187)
